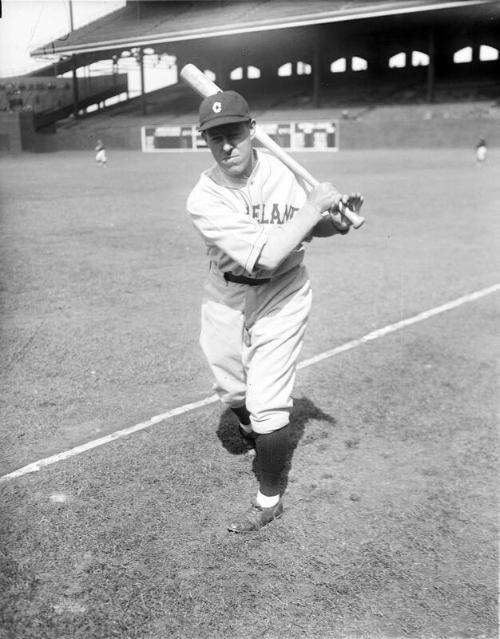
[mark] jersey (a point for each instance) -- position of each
(233, 216)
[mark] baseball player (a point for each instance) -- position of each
(481, 151)
(100, 153)
(255, 218)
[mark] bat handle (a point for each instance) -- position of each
(354, 218)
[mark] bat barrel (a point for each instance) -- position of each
(198, 80)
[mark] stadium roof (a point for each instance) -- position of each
(145, 23)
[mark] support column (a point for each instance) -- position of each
(219, 72)
(76, 97)
(431, 69)
(475, 52)
(140, 60)
(316, 75)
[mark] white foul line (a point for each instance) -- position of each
(391, 328)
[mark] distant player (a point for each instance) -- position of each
(254, 217)
(100, 153)
(481, 152)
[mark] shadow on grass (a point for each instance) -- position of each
(303, 411)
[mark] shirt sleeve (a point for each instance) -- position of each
(226, 226)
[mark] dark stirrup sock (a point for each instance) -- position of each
(272, 451)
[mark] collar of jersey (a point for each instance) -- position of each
(222, 179)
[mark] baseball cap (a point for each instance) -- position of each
(221, 108)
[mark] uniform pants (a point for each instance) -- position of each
(252, 337)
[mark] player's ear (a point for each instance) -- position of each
(251, 126)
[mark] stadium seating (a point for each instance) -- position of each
(51, 98)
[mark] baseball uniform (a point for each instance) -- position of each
(254, 217)
(100, 155)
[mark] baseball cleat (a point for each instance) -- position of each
(255, 518)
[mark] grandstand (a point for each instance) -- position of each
(411, 72)
(51, 98)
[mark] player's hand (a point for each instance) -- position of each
(323, 197)
(354, 201)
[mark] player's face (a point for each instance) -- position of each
(231, 146)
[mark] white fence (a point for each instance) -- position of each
(293, 136)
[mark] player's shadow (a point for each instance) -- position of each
(303, 411)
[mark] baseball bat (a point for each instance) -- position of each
(198, 81)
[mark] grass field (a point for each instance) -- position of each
(390, 525)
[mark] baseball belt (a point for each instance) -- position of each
(241, 279)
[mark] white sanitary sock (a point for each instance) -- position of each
(266, 502)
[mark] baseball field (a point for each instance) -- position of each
(390, 526)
